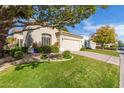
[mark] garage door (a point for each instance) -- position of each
(69, 44)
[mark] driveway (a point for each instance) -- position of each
(102, 57)
(121, 69)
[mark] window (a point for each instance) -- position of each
(46, 39)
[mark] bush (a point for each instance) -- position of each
(44, 56)
(13, 50)
(18, 54)
(82, 49)
(45, 49)
(98, 47)
(24, 49)
(48, 49)
(54, 49)
(66, 54)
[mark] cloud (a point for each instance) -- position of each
(119, 28)
(88, 25)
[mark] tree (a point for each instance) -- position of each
(46, 16)
(104, 35)
(120, 43)
(10, 40)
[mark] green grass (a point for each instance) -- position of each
(106, 52)
(78, 72)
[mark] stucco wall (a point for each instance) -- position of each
(18, 36)
(36, 35)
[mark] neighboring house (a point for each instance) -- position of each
(48, 36)
(87, 42)
(107, 45)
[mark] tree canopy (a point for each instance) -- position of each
(104, 35)
(46, 16)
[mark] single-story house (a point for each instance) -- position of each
(87, 42)
(48, 36)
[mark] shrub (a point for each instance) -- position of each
(44, 56)
(54, 49)
(98, 47)
(48, 49)
(25, 49)
(66, 54)
(45, 49)
(18, 54)
(82, 49)
(13, 50)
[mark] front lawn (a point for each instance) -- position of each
(78, 72)
(106, 52)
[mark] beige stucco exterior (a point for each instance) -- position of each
(65, 40)
(36, 35)
(18, 38)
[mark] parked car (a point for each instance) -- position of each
(121, 48)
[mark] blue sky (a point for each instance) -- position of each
(113, 16)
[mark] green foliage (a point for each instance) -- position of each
(10, 40)
(48, 49)
(14, 49)
(24, 49)
(44, 56)
(52, 16)
(45, 49)
(18, 54)
(66, 54)
(58, 16)
(54, 49)
(104, 35)
(82, 49)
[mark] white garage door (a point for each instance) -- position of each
(69, 44)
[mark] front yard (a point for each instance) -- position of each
(106, 52)
(78, 72)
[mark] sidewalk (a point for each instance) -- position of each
(102, 57)
(122, 69)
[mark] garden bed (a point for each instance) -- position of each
(54, 60)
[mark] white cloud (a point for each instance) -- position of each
(119, 28)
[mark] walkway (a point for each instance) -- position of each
(102, 57)
(121, 69)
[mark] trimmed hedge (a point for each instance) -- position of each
(45, 49)
(13, 50)
(24, 49)
(48, 49)
(66, 54)
(18, 54)
(54, 49)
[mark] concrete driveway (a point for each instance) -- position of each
(102, 57)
